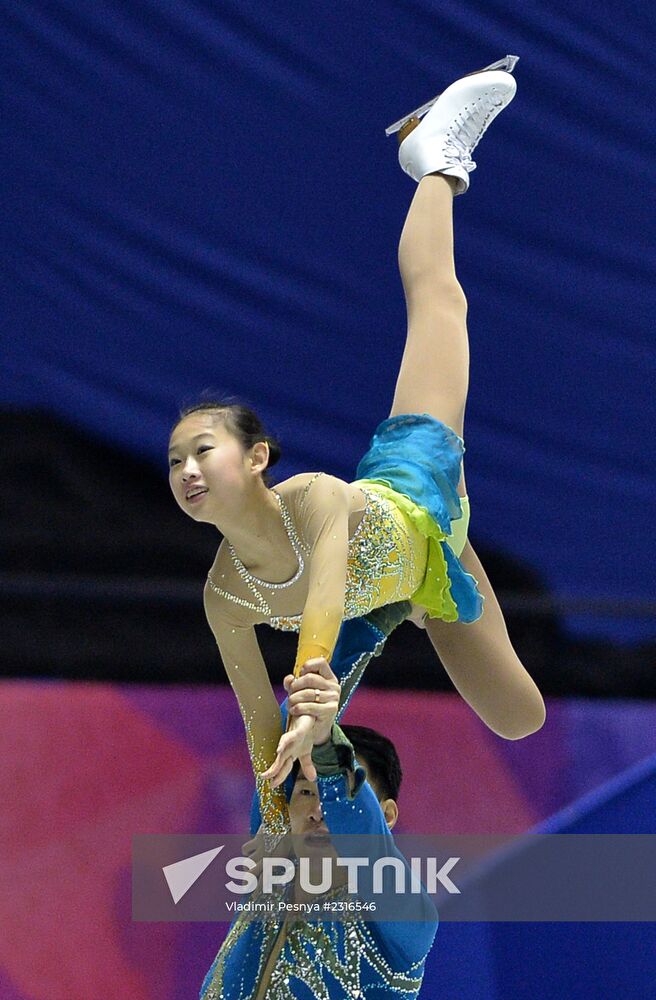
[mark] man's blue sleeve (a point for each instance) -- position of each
(359, 640)
(405, 942)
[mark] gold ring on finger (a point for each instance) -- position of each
(317, 694)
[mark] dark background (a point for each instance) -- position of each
(198, 197)
(104, 576)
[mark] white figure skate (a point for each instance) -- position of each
(454, 123)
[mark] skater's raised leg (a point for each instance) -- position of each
(434, 378)
(434, 373)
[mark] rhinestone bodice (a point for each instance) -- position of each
(382, 567)
(259, 603)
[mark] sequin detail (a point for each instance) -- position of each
(295, 543)
(261, 605)
(379, 551)
(381, 562)
(314, 954)
(308, 485)
(287, 623)
(350, 680)
(273, 801)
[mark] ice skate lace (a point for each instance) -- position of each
(468, 126)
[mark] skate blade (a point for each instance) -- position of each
(508, 64)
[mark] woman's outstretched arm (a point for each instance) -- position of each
(484, 667)
(323, 520)
(259, 707)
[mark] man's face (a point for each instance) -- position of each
(311, 835)
(309, 830)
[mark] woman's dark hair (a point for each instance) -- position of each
(380, 757)
(242, 422)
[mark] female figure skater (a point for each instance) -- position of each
(316, 550)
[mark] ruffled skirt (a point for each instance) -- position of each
(417, 461)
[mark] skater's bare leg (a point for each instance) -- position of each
(434, 378)
(434, 373)
(481, 662)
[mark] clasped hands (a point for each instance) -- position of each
(312, 705)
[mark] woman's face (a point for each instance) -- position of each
(208, 468)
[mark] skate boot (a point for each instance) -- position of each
(454, 124)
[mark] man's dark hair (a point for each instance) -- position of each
(381, 759)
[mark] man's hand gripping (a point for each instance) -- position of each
(313, 702)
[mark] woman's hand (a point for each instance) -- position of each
(312, 706)
(296, 743)
(315, 692)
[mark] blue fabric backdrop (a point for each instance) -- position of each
(199, 195)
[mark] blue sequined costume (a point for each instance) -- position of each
(332, 960)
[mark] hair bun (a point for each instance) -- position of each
(274, 451)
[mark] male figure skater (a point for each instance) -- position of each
(279, 959)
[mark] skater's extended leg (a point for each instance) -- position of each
(478, 656)
(434, 378)
(481, 662)
(434, 373)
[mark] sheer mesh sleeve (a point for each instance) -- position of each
(260, 711)
(322, 517)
